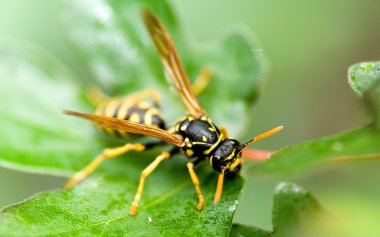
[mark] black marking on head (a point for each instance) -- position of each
(225, 154)
(234, 168)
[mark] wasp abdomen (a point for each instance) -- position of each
(201, 136)
(142, 112)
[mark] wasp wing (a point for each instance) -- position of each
(173, 65)
(132, 127)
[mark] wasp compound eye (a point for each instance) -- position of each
(216, 161)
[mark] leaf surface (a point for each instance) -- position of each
(100, 206)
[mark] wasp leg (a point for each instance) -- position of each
(195, 180)
(141, 95)
(202, 81)
(219, 187)
(107, 153)
(96, 96)
(223, 131)
(144, 174)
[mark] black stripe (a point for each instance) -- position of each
(140, 112)
(116, 112)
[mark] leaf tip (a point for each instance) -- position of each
(286, 188)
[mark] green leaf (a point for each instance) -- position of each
(360, 144)
(295, 213)
(35, 136)
(99, 206)
(364, 79)
(112, 42)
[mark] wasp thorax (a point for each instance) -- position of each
(227, 157)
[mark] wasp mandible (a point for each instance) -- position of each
(195, 135)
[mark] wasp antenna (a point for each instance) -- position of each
(261, 136)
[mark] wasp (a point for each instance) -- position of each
(195, 135)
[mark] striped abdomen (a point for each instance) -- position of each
(142, 112)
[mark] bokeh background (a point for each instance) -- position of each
(309, 44)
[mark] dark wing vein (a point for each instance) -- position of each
(173, 65)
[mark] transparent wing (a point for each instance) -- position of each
(173, 65)
(132, 127)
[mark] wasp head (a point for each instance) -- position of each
(227, 157)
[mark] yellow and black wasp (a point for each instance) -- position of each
(195, 135)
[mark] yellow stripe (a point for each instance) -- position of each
(234, 164)
(111, 107)
(109, 111)
(134, 118)
(231, 156)
(148, 117)
(213, 146)
(212, 125)
(124, 107)
(211, 160)
(122, 113)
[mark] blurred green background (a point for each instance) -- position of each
(309, 44)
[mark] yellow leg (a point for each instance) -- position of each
(195, 180)
(141, 95)
(97, 97)
(144, 174)
(107, 153)
(219, 188)
(202, 81)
